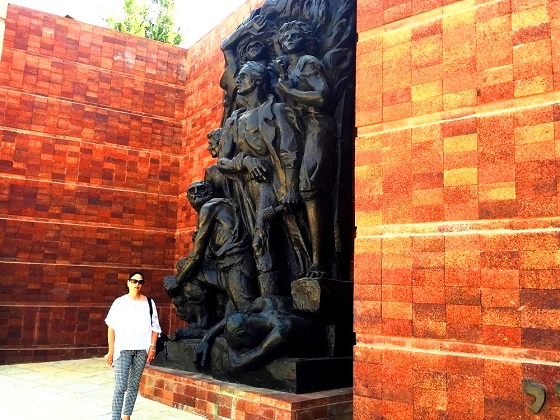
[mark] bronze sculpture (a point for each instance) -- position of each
(220, 258)
(281, 227)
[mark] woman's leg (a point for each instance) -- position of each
(122, 369)
(136, 369)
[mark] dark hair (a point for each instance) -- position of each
(132, 275)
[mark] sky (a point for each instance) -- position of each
(195, 17)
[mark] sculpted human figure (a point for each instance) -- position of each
(221, 258)
(243, 45)
(269, 329)
(212, 174)
(260, 149)
(304, 85)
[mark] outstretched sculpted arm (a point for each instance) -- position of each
(202, 350)
(252, 26)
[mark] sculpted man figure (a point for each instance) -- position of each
(269, 329)
(244, 44)
(221, 258)
(304, 85)
(260, 149)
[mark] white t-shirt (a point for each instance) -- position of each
(130, 318)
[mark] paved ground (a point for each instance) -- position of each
(72, 389)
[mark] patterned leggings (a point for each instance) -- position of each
(128, 371)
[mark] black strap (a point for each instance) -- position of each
(151, 309)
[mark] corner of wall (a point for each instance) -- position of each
(3, 13)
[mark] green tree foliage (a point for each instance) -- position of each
(153, 20)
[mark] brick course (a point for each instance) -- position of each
(456, 208)
(92, 138)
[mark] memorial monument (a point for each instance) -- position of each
(267, 290)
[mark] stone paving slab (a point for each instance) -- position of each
(71, 389)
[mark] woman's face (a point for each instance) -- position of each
(135, 282)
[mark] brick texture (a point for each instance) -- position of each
(219, 400)
(457, 208)
(92, 138)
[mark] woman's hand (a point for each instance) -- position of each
(151, 354)
(109, 358)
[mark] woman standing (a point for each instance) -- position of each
(132, 336)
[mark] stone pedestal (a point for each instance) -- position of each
(295, 375)
(214, 399)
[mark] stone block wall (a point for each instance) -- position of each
(91, 143)
(457, 208)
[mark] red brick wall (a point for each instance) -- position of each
(91, 141)
(457, 208)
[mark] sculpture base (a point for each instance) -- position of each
(219, 400)
(294, 375)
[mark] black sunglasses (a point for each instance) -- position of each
(134, 281)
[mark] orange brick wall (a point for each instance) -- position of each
(91, 140)
(457, 208)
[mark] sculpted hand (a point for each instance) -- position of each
(284, 85)
(258, 22)
(257, 171)
(201, 353)
(291, 201)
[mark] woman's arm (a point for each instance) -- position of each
(152, 351)
(111, 343)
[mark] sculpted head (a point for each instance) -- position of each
(199, 193)
(250, 76)
(297, 37)
(214, 144)
(237, 331)
(252, 48)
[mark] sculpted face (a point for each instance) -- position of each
(293, 41)
(214, 145)
(199, 193)
(245, 81)
(254, 50)
(236, 332)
